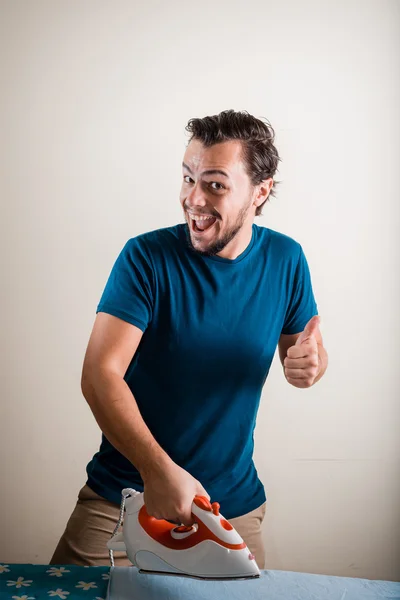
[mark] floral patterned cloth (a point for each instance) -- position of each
(44, 582)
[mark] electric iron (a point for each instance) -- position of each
(210, 549)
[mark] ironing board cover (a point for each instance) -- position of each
(127, 583)
(44, 582)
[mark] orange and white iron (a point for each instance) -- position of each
(209, 549)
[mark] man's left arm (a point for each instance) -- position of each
(303, 356)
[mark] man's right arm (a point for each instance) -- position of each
(169, 489)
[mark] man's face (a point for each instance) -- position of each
(216, 195)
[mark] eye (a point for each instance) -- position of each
(218, 186)
(187, 179)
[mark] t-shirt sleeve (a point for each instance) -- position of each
(128, 293)
(302, 306)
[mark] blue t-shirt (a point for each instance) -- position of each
(211, 327)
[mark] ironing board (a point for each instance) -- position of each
(126, 583)
(44, 582)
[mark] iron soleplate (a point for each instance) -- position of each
(205, 578)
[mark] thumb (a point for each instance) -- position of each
(202, 492)
(309, 330)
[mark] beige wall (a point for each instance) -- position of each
(96, 96)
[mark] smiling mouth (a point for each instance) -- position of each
(201, 223)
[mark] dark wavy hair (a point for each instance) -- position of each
(257, 137)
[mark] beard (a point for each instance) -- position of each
(220, 243)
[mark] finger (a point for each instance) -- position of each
(309, 330)
(302, 351)
(184, 513)
(312, 325)
(301, 373)
(300, 383)
(174, 521)
(203, 492)
(185, 517)
(301, 363)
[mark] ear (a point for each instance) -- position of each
(262, 191)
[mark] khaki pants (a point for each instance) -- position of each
(93, 521)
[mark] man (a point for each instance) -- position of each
(183, 340)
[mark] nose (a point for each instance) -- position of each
(196, 198)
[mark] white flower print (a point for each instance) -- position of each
(86, 586)
(98, 598)
(57, 571)
(25, 597)
(105, 576)
(59, 592)
(4, 569)
(21, 582)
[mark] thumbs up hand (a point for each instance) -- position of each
(302, 363)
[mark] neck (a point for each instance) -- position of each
(238, 244)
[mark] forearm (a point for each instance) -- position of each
(117, 414)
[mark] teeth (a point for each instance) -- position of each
(201, 218)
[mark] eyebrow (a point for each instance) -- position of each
(208, 171)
